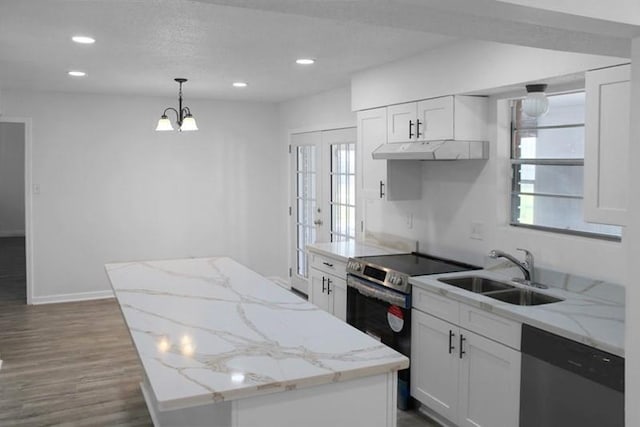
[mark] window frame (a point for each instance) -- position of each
(514, 162)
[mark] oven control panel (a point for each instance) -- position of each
(382, 276)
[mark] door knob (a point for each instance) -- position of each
(318, 222)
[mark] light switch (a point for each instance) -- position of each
(36, 188)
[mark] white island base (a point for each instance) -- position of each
(369, 401)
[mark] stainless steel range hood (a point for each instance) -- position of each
(433, 150)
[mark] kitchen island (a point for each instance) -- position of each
(223, 346)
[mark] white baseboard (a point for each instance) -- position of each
(12, 233)
(80, 296)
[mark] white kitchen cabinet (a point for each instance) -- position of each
(464, 377)
(607, 133)
(489, 383)
(435, 119)
(434, 369)
(328, 285)
(383, 179)
(401, 122)
(329, 293)
(449, 117)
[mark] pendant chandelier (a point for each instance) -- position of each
(184, 119)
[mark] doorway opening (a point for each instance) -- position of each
(14, 212)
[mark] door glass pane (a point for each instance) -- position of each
(306, 201)
(343, 185)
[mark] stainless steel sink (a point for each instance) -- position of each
(499, 290)
(522, 297)
(476, 284)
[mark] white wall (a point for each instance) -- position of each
(322, 111)
(464, 67)
(113, 189)
(12, 179)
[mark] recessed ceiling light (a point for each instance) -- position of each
(305, 61)
(83, 39)
(77, 73)
(240, 84)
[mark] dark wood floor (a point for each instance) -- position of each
(71, 364)
(63, 364)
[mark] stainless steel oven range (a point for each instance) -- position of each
(379, 300)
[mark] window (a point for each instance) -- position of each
(547, 158)
(343, 192)
(306, 200)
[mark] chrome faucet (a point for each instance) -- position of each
(526, 266)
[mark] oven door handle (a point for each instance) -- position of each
(374, 292)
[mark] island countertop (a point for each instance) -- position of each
(210, 329)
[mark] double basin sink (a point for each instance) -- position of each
(499, 290)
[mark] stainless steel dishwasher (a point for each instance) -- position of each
(565, 383)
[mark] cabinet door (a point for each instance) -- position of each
(434, 364)
(489, 383)
(372, 132)
(401, 122)
(317, 289)
(338, 297)
(607, 145)
(436, 119)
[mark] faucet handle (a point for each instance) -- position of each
(528, 256)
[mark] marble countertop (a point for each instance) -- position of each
(210, 329)
(582, 317)
(345, 250)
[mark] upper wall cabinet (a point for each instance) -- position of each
(379, 179)
(449, 117)
(607, 127)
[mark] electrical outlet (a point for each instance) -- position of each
(410, 221)
(477, 230)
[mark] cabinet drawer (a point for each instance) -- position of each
(495, 327)
(328, 265)
(434, 304)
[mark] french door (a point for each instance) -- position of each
(322, 194)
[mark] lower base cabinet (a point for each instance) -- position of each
(328, 292)
(464, 377)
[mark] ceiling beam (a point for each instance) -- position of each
(471, 19)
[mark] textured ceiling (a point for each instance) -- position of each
(143, 44)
